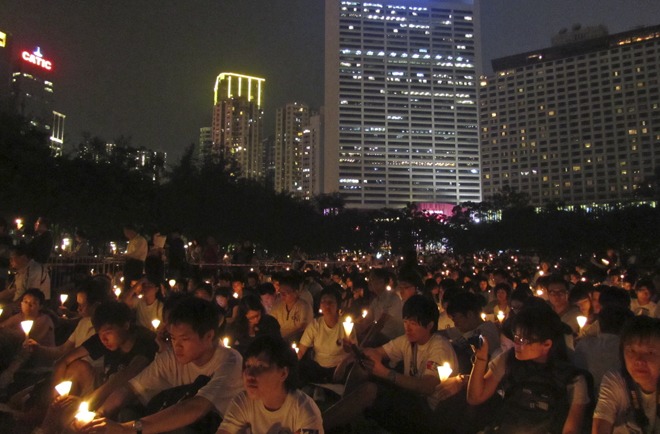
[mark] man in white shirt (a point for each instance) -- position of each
(401, 402)
(195, 354)
(29, 274)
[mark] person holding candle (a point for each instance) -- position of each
(325, 335)
(210, 373)
(125, 350)
(558, 299)
(542, 391)
(401, 402)
(41, 331)
(149, 306)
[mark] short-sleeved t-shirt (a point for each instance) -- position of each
(326, 341)
(577, 390)
(298, 413)
(428, 357)
(83, 331)
(146, 313)
(614, 406)
(115, 361)
(224, 368)
(291, 319)
(390, 303)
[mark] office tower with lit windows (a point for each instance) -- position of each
(290, 121)
(237, 121)
(401, 102)
(32, 90)
(576, 123)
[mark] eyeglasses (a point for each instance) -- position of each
(519, 340)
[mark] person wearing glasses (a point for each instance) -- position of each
(542, 391)
(558, 299)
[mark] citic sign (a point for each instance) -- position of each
(37, 58)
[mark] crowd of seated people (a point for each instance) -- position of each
(406, 349)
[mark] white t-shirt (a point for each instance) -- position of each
(291, 319)
(224, 368)
(614, 404)
(390, 303)
(649, 309)
(83, 331)
(326, 341)
(145, 313)
(578, 393)
(429, 356)
(299, 412)
(137, 248)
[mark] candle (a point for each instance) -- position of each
(63, 297)
(483, 316)
(364, 313)
(295, 347)
(172, 282)
(63, 388)
(117, 292)
(235, 295)
(348, 325)
(539, 292)
(444, 371)
(581, 320)
(84, 415)
(155, 322)
(500, 316)
(27, 326)
(0, 311)
(225, 342)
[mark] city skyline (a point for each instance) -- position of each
(147, 70)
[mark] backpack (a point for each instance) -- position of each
(534, 397)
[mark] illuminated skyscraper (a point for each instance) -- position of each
(32, 88)
(401, 102)
(312, 147)
(290, 122)
(237, 121)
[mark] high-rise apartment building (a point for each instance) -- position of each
(237, 121)
(290, 122)
(205, 144)
(578, 122)
(312, 146)
(401, 119)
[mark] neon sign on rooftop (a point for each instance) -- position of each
(36, 58)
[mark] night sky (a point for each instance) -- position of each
(146, 68)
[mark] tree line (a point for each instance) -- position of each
(208, 198)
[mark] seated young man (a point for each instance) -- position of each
(401, 402)
(271, 402)
(464, 308)
(292, 312)
(195, 358)
(324, 335)
(126, 350)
